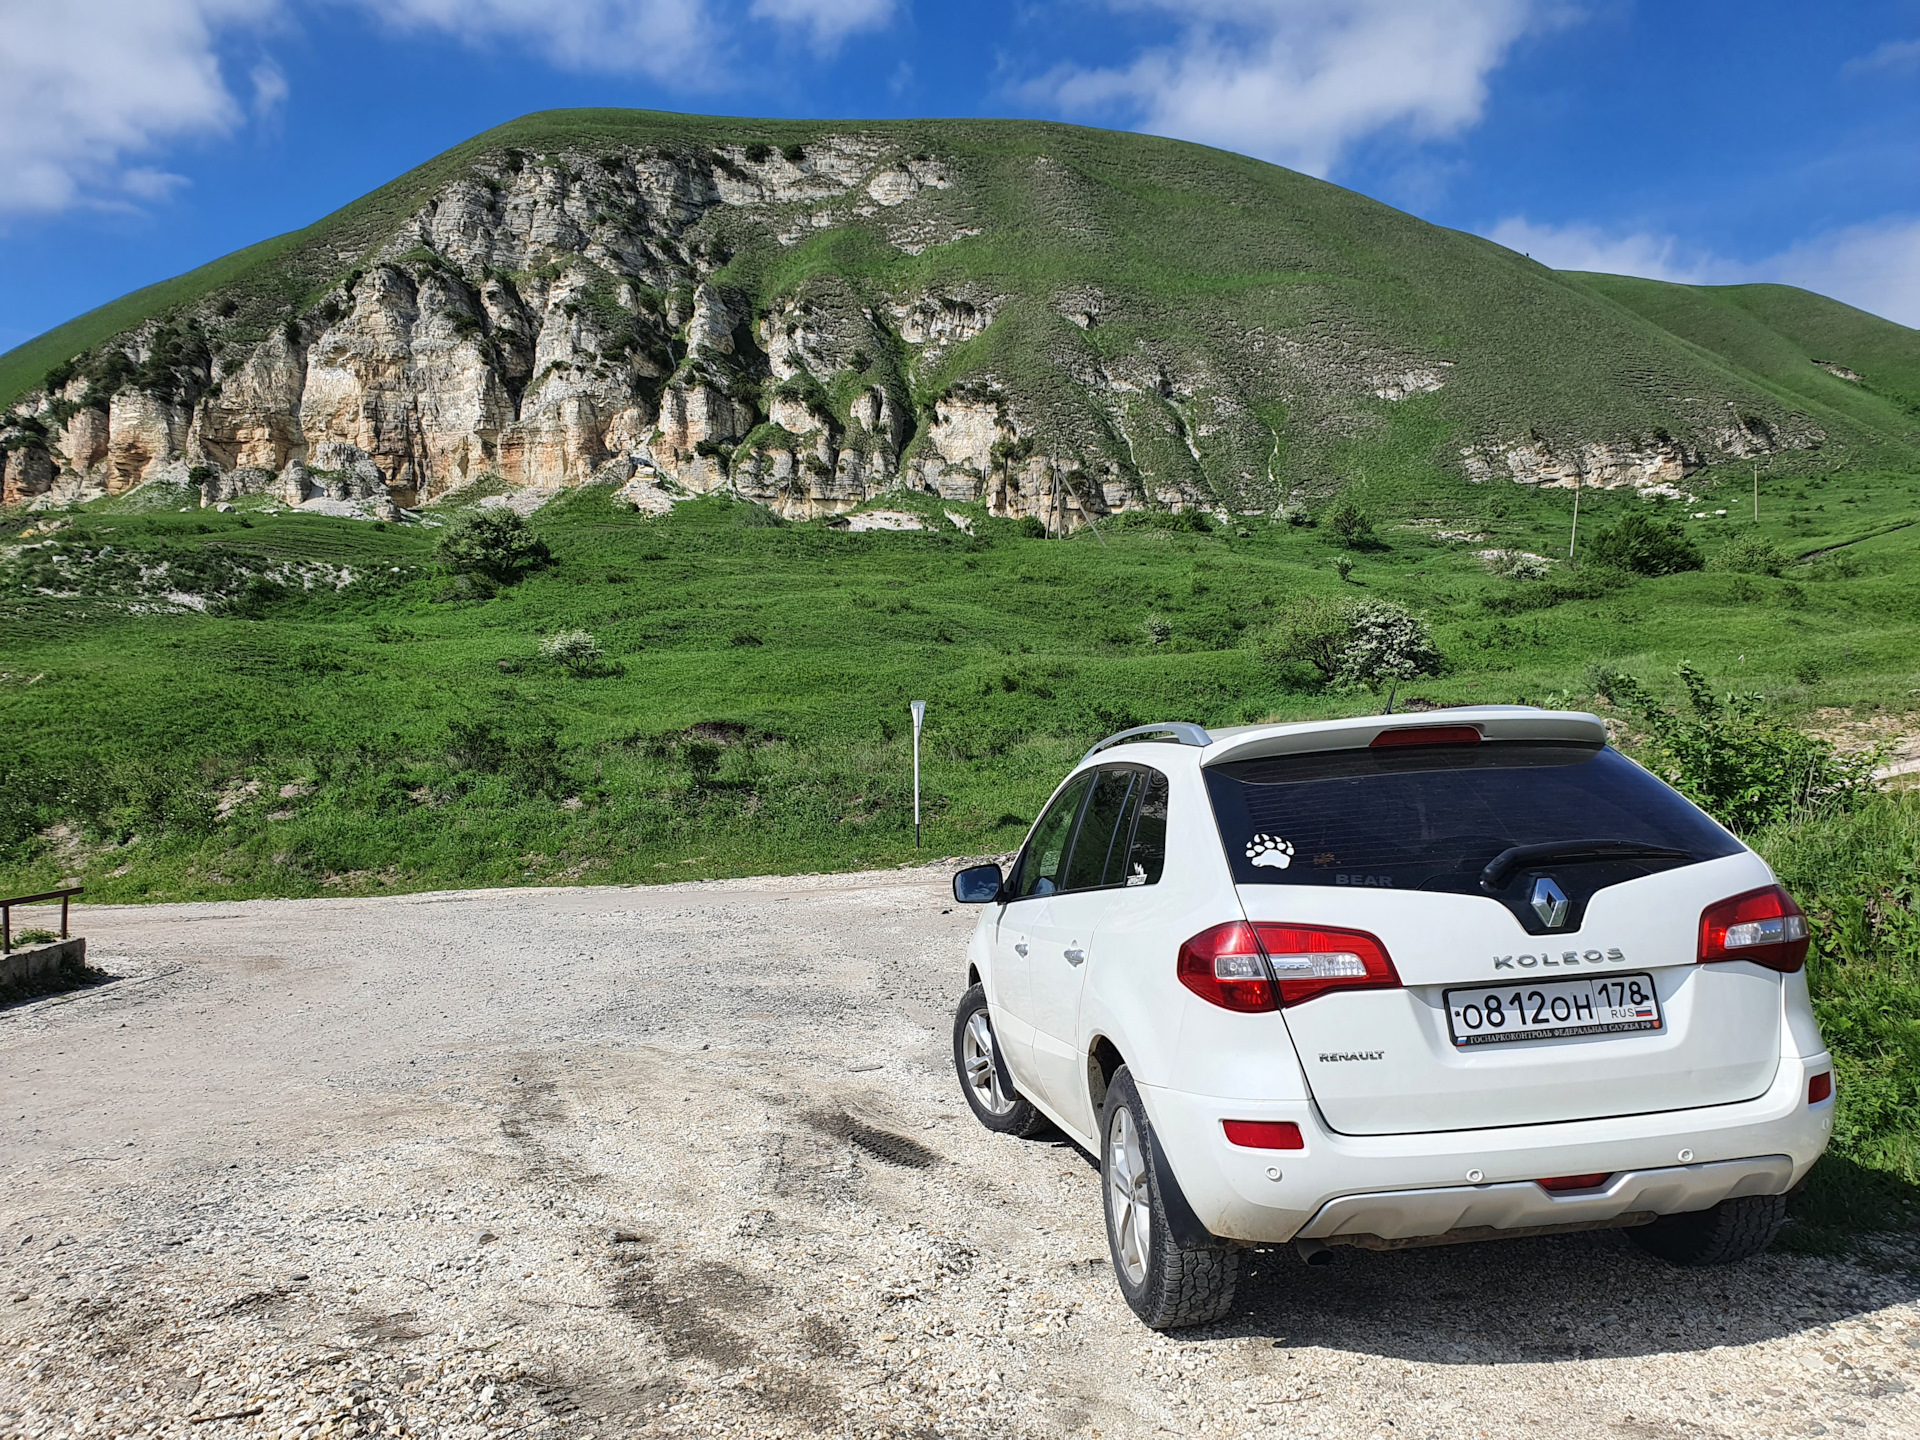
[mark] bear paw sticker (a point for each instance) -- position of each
(1270, 850)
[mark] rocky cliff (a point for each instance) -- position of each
(813, 323)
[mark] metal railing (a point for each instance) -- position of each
(6, 911)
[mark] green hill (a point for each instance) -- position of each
(1132, 321)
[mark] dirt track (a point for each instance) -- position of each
(692, 1160)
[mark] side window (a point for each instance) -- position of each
(1147, 857)
(1045, 863)
(1094, 844)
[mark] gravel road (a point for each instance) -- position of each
(692, 1160)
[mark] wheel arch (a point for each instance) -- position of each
(1103, 1058)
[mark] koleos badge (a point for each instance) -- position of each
(1549, 902)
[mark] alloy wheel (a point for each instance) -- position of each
(983, 1076)
(1128, 1198)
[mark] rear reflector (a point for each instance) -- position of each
(1575, 1182)
(1763, 926)
(1820, 1088)
(1427, 735)
(1265, 1134)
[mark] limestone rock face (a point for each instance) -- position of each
(546, 321)
(1656, 464)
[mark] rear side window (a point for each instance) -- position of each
(1431, 817)
(1147, 855)
(1043, 868)
(1102, 830)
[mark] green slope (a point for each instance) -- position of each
(1780, 336)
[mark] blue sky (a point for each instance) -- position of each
(1712, 142)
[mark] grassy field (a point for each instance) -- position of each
(751, 715)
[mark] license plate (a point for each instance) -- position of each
(1602, 1005)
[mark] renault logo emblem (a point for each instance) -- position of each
(1549, 903)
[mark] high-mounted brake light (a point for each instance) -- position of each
(1426, 735)
(1264, 1134)
(1230, 965)
(1763, 926)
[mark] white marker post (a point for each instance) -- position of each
(919, 717)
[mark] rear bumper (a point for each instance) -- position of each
(1400, 1187)
(1453, 1209)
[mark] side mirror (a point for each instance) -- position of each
(978, 885)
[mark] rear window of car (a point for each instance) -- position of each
(1431, 817)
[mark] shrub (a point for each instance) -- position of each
(1344, 565)
(1644, 545)
(33, 937)
(496, 544)
(577, 650)
(1158, 628)
(1517, 564)
(1387, 645)
(1726, 756)
(1347, 519)
(1355, 644)
(1752, 555)
(1313, 631)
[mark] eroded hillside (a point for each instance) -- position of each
(1050, 320)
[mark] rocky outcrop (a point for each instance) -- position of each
(1656, 464)
(545, 321)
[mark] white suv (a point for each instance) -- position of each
(1393, 981)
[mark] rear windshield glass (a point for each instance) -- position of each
(1431, 817)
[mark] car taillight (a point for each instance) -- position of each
(1575, 1182)
(1224, 967)
(1228, 965)
(1763, 926)
(1311, 960)
(1820, 1088)
(1264, 1134)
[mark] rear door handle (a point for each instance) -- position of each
(1020, 948)
(1076, 957)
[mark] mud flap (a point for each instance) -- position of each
(1185, 1227)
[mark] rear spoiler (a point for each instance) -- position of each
(1492, 722)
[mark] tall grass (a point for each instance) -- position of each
(1857, 875)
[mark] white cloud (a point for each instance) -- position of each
(1895, 55)
(91, 84)
(664, 39)
(1587, 247)
(1874, 267)
(827, 22)
(1300, 81)
(684, 42)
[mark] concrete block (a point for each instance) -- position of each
(42, 962)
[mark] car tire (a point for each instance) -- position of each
(1731, 1231)
(1166, 1285)
(983, 1076)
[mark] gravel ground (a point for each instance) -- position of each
(691, 1160)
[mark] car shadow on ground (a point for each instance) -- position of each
(1591, 1295)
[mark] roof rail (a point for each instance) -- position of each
(1183, 732)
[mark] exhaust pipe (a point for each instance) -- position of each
(1314, 1252)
